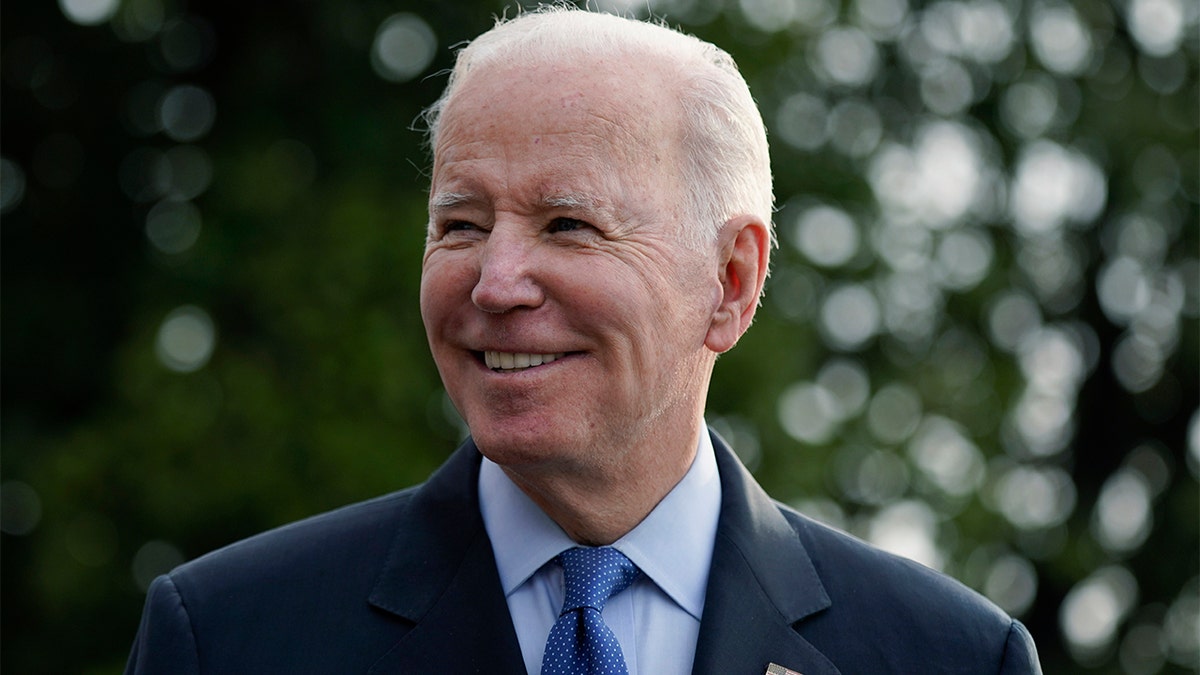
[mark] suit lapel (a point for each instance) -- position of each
(441, 576)
(761, 583)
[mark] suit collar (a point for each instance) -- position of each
(441, 576)
(762, 582)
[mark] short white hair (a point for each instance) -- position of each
(726, 166)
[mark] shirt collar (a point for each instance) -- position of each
(672, 546)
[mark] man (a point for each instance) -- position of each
(599, 232)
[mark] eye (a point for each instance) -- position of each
(566, 225)
(458, 226)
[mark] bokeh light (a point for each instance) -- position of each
(186, 339)
(846, 56)
(1059, 39)
(827, 235)
(894, 413)
(1053, 186)
(936, 181)
(849, 384)
(981, 30)
(946, 457)
(173, 226)
(963, 259)
(1012, 583)
(801, 121)
(909, 529)
(946, 87)
(186, 113)
(769, 15)
(1182, 625)
(186, 43)
(152, 559)
(870, 476)
(20, 508)
(1031, 105)
(1012, 317)
(1193, 444)
(849, 316)
(1093, 611)
(12, 184)
(808, 412)
(89, 12)
(977, 348)
(854, 127)
(139, 20)
(882, 19)
(1157, 25)
(1034, 498)
(1123, 517)
(404, 47)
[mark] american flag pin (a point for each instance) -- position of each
(776, 669)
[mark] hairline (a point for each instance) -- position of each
(712, 97)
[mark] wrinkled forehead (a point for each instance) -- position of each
(630, 106)
(526, 138)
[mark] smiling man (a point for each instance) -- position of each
(599, 232)
(559, 217)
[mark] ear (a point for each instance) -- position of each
(743, 250)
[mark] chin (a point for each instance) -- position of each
(526, 447)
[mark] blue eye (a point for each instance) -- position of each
(566, 225)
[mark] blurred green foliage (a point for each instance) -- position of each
(979, 345)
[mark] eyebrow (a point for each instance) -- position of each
(448, 200)
(590, 207)
(571, 200)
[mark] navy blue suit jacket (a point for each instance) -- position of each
(407, 583)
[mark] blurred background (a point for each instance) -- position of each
(978, 349)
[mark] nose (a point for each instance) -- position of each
(507, 273)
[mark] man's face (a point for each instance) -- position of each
(566, 318)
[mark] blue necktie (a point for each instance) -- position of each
(580, 642)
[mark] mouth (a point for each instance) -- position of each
(510, 362)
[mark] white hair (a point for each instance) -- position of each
(726, 166)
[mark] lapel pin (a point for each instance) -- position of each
(776, 669)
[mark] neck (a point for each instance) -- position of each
(598, 504)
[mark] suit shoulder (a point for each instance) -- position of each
(854, 571)
(350, 535)
(916, 619)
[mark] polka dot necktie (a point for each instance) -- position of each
(580, 642)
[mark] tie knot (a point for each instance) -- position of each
(593, 575)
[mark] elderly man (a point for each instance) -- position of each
(599, 232)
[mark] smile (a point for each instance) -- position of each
(509, 361)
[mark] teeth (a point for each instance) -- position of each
(514, 361)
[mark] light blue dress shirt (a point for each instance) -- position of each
(657, 619)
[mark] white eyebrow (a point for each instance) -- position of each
(570, 201)
(580, 202)
(577, 201)
(448, 200)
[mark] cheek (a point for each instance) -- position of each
(429, 304)
(685, 307)
(446, 282)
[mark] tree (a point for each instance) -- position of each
(978, 346)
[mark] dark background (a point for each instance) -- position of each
(979, 345)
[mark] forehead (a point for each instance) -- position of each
(558, 123)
